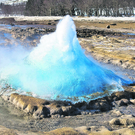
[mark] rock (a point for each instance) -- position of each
(7, 20)
(124, 131)
(125, 65)
(59, 107)
(116, 112)
(30, 104)
(83, 129)
(84, 112)
(55, 110)
(115, 62)
(121, 94)
(99, 104)
(5, 97)
(113, 24)
(12, 24)
(94, 130)
(131, 126)
(108, 26)
(7, 131)
(67, 110)
(42, 111)
(115, 41)
(40, 108)
(115, 121)
(122, 102)
(90, 130)
(88, 48)
(56, 107)
(133, 58)
(132, 101)
(63, 131)
(104, 106)
(127, 116)
(125, 121)
(94, 111)
(56, 116)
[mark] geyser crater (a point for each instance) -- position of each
(57, 69)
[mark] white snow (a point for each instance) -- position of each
(41, 18)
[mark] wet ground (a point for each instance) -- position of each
(12, 118)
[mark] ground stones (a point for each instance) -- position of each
(40, 108)
(108, 26)
(124, 120)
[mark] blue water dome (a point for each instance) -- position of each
(58, 69)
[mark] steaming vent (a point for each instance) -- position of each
(57, 69)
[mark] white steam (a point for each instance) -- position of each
(57, 67)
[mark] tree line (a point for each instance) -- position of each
(73, 7)
(14, 9)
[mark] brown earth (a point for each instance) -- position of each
(102, 24)
(119, 51)
(115, 24)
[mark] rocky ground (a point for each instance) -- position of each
(115, 50)
(113, 114)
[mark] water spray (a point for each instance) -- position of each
(57, 69)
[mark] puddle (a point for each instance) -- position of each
(6, 26)
(131, 34)
(34, 26)
(25, 26)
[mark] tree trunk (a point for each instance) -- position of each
(50, 11)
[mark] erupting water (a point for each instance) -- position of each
(57, 68)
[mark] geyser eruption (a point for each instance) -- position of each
(58, 68)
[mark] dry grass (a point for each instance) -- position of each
(103, 24)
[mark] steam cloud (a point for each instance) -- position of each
(56, 67)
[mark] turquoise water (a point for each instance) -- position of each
(129, 34)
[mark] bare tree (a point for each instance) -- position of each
(6, 9)
(81, 7)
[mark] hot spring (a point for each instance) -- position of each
(57, 69)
